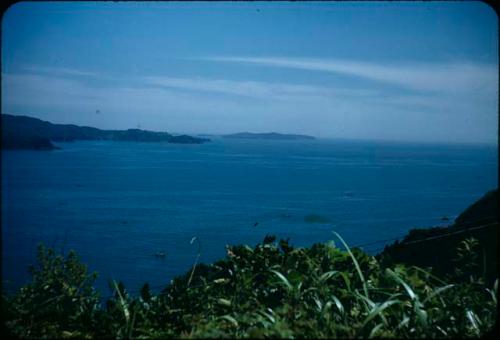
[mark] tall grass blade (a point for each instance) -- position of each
(473, 321)
(318, 304)
(224, 302)
(403, 322)
(375, 330)
(410, 291)
(132, 324)
(377, 311)
(494, 293)
(356, 264)
(268, 316)
(421, 313)
(417, 305)
(368, 302)
(283, 279)
(437, 292)
(339, 304)
(123, 303)
(429, 274)
(195, 261)
(325, 276)
(230, 319)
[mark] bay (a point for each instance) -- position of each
(119, 203)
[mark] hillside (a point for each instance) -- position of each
(22, 132)
(434, 247)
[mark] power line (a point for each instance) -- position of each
(439, 236)
(377, 242)
(432, 237)
(445, 235)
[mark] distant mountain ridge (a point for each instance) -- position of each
(268, 135)
(23, 132)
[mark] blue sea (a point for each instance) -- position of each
(119, 203)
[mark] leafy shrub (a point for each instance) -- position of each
(60, 300)
(271, 290)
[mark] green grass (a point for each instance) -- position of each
(271, 290)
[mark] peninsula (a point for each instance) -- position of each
(23, 132)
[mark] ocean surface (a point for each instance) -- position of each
(119, 203)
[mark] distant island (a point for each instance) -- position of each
(23, 132)
(268, 135)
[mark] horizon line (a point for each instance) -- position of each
(332, 138)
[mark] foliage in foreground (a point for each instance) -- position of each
(272, 290)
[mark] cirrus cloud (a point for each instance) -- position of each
(439, 77)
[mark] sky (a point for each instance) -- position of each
(409, 71)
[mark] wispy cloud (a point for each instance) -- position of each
(441, 77)
(240, 88)
(220, 105)
(60, 71)
(254, 89)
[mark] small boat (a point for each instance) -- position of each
(445, 218)
(160, 254)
